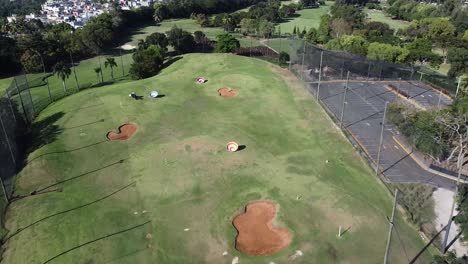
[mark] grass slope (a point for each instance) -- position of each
(306, 18)
(184, 178)
(380, 16)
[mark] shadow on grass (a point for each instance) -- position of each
(41, 190)
(68, 150)
(85, 124)
(21, 229)
(43, 132)
(170, 61)
(241, 147)
(134, 252)
(97, 239)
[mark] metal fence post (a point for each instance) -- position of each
(320, 76)
(381, 139)
(74, 72)
(8, 141)
(11, 107)
(302, 66)
(21, 100)
(344, 100)
(121, 59)
(30, 96)
(368, 71)
(458, 86)
(391, 227)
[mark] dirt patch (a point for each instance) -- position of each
(255, 232)
(124, 132)
(227, 92)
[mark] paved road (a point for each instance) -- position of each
(362, 117)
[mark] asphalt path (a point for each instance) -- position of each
(363, 115)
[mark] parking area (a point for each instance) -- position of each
(362, 114)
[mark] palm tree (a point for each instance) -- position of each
(62, 71)
(97, 70)
(111, 63)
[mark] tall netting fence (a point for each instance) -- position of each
(313, 64)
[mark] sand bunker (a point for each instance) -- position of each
(256, 234)
(227, 92)
(125, 132)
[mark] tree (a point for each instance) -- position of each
(98, 70)
(147, 62)
(387, 52)
(157, 38)
(420, 50)
(62, 71)
(199, 36)
(355, 44)
(312, 36)
(352, 15)
(283, 57)
(31, 61)
(458, 58)
(324, 29)
(182, 41)
(160, 12)
(226, 43)
(8, 56)
(308, 3)
(340, 27)
(442, 32)
(228, 23)
(266, 28)
(248, 26)
(111, 63)
(449, 258)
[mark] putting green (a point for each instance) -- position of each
(186, 183)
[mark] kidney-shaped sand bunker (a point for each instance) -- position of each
(256, 234)
(227, 92)
(125, 132)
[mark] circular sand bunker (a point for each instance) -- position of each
(256, 234)
(227, 92)
(124, 132)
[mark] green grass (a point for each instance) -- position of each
(86, 78)
(184, 178)
(380, 16)
(279, 44)
(307, 19)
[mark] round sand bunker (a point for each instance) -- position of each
(227, 92)
(256, 234)
(124, 132)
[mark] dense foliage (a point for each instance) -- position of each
(226, 43)
(147, 62)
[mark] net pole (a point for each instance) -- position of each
(121, 60)
(368, 71)
(7, 140)
(380, 74)
(381, 140)
(420, 76)
(458, 86)
(440, 98)
(320, 75)
(390, 230)
(30, 96)
(74, 72)
(344, 100)
(303, 57)
(11, 106)
(21, 100)
(341, 70)
(45, 77)
(450, 220)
